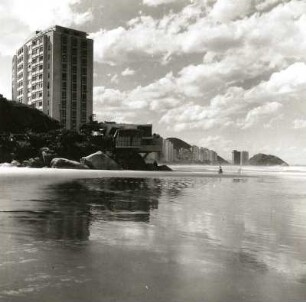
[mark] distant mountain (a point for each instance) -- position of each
(222, 161)
(266, 160)
(178, 143)
(17, 118)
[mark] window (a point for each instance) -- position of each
(74, 60)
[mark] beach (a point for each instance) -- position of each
(185, 235)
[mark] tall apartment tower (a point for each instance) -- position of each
(53, 72)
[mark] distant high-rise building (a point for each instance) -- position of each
(236, 157)
(167, 151)
(240, 157)
(53, 72)
(244, 157)
(195, 153)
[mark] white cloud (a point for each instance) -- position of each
(255, 115)
(22, 18)
(225, 10)
(43, 13)
(127, 72)
(299, 124)
(273, 34)
(114, 79)
(157, 2)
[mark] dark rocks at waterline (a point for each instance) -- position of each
(266, 160)
(63, 163)
(130, 161)
(100, 161)
(163, 168)
(33, 163)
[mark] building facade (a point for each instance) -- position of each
(53, 72)
(240, 157)
(236, 157)
(167, 151)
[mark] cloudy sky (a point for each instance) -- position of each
(222, 74)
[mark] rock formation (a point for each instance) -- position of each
(100, 161)
(266, 160)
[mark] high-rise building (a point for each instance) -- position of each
(240, 157)
(167, 151)
(53, 72)
(236, 157)
(244, 157)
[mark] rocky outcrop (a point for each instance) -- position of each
(130, 161)
(163, 168)
(33, 163)
(222, 161)
(63, 163)
(266, 160)
(100, 161)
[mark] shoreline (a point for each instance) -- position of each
(16, 172)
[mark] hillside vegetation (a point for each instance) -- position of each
(19, 118)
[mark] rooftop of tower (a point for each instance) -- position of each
(57, 28)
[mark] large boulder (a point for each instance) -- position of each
(15, 163)
(130, 160)
(63, 163)
(100, 161)
(164, 168)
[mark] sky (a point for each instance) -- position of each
(221, 74)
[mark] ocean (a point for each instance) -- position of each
(187, 235)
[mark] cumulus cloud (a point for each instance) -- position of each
(127, 72)
(299, 124)
(196, 29)
(257, 113)
(21, 18)
(181, 103)
(225, 10)
(157, 2)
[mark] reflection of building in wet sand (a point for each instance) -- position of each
(124, 198)
(71, 207)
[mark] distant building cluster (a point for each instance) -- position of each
(240, 157)
(194, 154)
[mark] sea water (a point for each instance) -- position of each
(186, 235)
